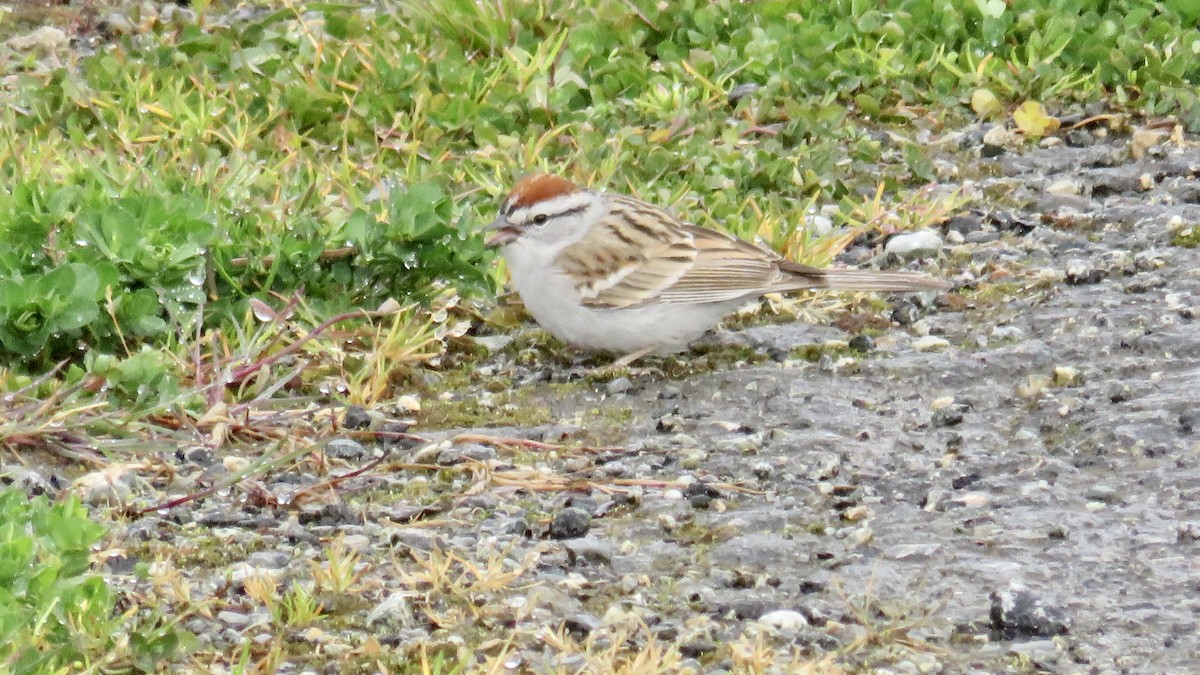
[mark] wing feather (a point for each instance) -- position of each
(623, 266)
(643, 255)
(726, 268)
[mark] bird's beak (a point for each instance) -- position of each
(502, 232)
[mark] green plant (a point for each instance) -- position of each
(55, 615)
(46, 312)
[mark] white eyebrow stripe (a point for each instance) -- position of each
(563, 205)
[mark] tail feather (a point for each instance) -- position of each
(859, 280)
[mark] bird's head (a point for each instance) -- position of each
(541, 207)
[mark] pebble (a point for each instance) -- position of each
(589, 551)
(233, 619)
(783, 620)
(912, 551)
(921, 242)
(1189, 421)
(997, 139)
(619, 386)
(240, 572)
(1019, 613)
(357, 418)
(416, 538)
(981, 237)
(493, 343)
(465, 452)
(1008, 333)
(329, 515)
(395, 612)
(973, 500)
(860, 536)
(582, 624)
(905, 313)
(28, 481)
(1102, 493)
(818, 224)
(857, 513)
(933, 500)
(360, 543)
(47, 38)
(741, 91)
(762, 470)
(107, 487)
(1145, 283)
(408, 403)
(1039, 652)
(861, 343)
(570, 523)
(1065, 186)
(271, 560)
(1066, 376)
(930, 343)
(947, 417)
(345, 448)
(1080, 272)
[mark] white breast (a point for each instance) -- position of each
(555, 304)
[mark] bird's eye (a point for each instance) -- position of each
(540, 219)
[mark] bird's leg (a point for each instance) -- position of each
(629, 358)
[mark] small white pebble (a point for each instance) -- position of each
(930, 343)
(910, 243)
(783, 620)
(942, 402)
(861, 536)
(974, 499)
(233, 463)
(1064, 186)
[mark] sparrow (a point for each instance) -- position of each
(609, 272)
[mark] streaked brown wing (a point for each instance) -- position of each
(662, 259)
(627, 266)
(725, 268)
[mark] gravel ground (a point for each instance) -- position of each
(1001, 480)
